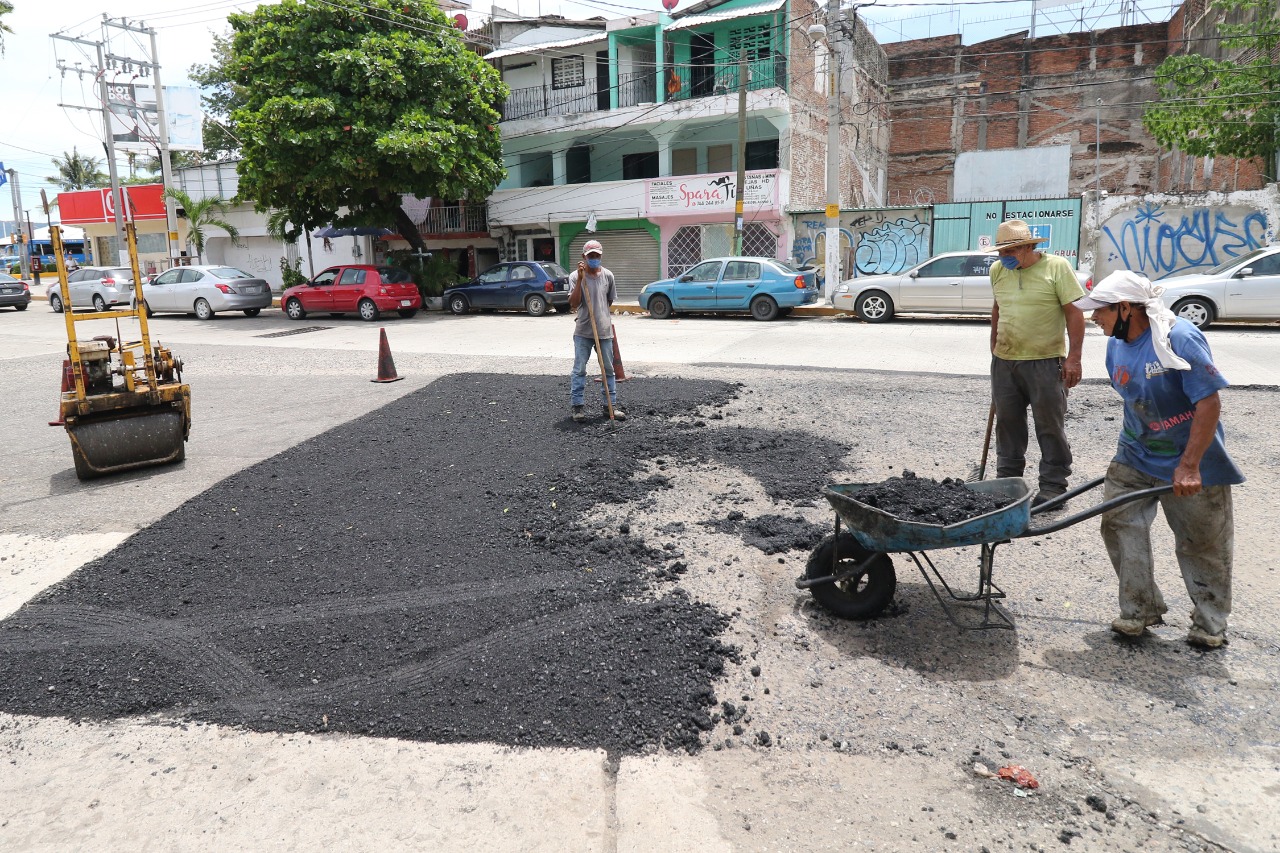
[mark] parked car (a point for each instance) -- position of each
(765, 287)
(204, 290)
(1243, 288)
(98, 288)
(532, 286)
(355, 288)
(14, 292)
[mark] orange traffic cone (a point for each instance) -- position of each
(386, 366)
(619, 374)
(68, 381)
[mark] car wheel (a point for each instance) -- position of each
(203, 310)
(293, 308)
(859, 597)
(99, 304)
(764, 308)
(874, 307)
(660, 308)
(55, 302)
(458, 304)
(368, 311)
(252, 312)
(147, 308)
(406, 312)
(1198, 311)
(20, 307)
(536, 305)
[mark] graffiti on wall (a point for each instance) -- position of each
(1160, 241)
(872, 242)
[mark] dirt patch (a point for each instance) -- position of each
(772, 534)
(922, 499)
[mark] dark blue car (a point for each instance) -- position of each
(764, 287)
(532, 286)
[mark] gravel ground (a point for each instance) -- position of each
(526, 581)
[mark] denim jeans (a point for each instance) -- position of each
(582, 348)
(1203, 541)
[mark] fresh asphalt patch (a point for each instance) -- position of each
(435, 570)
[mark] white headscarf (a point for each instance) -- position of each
(1126, 286)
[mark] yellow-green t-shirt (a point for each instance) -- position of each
(1032, 324)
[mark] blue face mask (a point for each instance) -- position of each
(1009, 261)
(593, 263)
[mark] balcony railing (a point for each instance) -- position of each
(458, 219)
(679, 82)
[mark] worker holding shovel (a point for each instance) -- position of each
(592, 291)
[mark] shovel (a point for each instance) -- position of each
(979, 471)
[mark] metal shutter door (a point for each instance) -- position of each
(632, 256)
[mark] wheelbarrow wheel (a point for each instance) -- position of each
(861, 596)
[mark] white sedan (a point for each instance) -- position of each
(1243, 288)
(950, 283)
(205, 290)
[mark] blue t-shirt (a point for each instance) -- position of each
(1160, 402)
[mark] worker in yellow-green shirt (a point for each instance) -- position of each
(1036, 338)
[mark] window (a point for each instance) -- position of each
(762, 154)
(980, 265)
(352, 276)
(943, 267)
(684, 161)
(229, 273)
(1269, 265)
(394, 275)
(719, 158)
(754, 40)
(325, 278)
(495, 275)
(638, 166)
(741, 271)
(521, 273)
(710, 271)
(168, 277)
(568, 72)
(190, 276)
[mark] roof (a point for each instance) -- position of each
(726, 15)
(515, 50)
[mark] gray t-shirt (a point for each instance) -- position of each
(602, 290)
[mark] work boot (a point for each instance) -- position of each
(1043, 497)
(578, 414)
(1134, 627)
(1198, 636)
(618, 414)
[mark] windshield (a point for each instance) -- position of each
(1226, 265)
(229, 272)
(554, 270)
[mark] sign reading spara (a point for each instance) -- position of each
(709, 193)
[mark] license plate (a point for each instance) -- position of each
(406, 302)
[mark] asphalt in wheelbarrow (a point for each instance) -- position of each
(921, 499)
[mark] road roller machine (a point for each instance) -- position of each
(123, 403)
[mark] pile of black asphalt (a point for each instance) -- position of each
(429, 571)
(928, 501)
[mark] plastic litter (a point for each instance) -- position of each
(1019, 776)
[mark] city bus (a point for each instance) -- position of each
(11, 255)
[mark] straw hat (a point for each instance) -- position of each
(1015, 232)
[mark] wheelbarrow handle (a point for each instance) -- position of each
(1092, 511)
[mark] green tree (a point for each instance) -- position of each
(77, 171)
(220, 98)
(1224, 107)
(201, 215)
(5, 8)
(352, 104)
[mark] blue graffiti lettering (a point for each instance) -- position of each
(892, 248)
(1193, 239)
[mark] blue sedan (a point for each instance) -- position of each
(765, 287)
(531, 286)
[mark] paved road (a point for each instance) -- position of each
(877, 722)
(1247, 355)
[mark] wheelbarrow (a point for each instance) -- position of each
(851, 575)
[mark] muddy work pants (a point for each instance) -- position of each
(1015, 385)
(1203, 536)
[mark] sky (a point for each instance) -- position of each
(41, 122)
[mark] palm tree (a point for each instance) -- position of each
(77, 171)
(202, 214)
(5, 8)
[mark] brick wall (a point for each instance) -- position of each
(946, 98)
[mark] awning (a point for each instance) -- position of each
(516, 50)
(331, 231)
(727, 15)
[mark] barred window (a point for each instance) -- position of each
(756, 41)
(568, 72)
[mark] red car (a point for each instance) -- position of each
(358, 288)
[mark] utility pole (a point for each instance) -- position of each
(740, 188)
(832, 275)
(17, 216)
(108, 145)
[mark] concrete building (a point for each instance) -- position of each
(627, 130)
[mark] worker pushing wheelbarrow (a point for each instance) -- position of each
(851, 575)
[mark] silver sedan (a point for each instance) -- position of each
(204, 290)
(950, 283)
